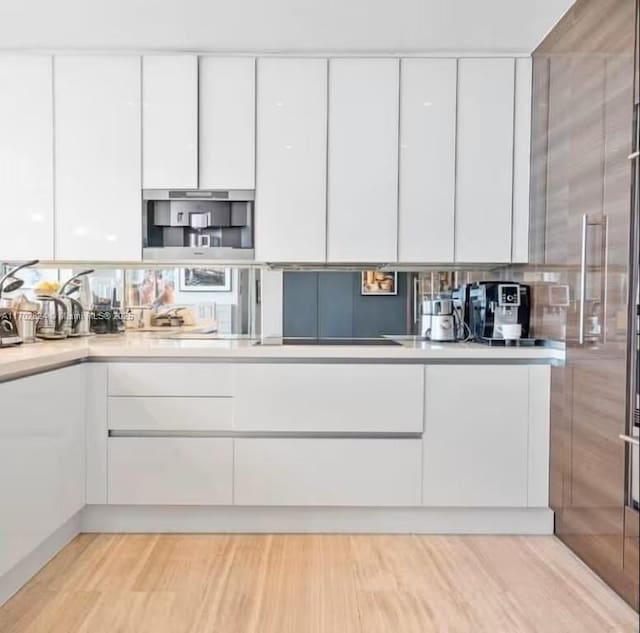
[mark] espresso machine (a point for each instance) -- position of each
(495, 310)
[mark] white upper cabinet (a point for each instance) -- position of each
(521, 161)
(427, 160)
(26, 157)
(363, 160)
(97, 158)
(291, 204)
(227, 122)
(170, 121)
(484, 187)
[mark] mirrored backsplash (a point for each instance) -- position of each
(221, 298)
(254, 301)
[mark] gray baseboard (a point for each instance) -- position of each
(161, 519)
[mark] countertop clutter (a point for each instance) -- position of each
(37, 357)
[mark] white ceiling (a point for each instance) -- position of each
(280, 25)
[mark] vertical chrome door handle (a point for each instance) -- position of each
(583, 279)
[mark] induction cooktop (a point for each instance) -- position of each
(287, 340)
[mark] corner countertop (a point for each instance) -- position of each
(37, 357)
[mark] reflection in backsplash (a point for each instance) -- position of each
(223, 299)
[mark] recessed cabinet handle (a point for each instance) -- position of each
(629, 439)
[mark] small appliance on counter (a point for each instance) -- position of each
(439, 322)
(498, 313)
(9, 333)
(78, 322)
(52, 322)
(27, 315)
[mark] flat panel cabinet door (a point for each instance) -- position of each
(170, 471)
(291, 203)
(521, 161)
(42, 459)
(476, 446)
(328, 398)
(327, 472)
(97, 158)
(363, 160)
(170, 121)
(26, 157)
(484, 180)
(427, 160)
(227, 112)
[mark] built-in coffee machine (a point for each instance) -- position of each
(197, 224)
(498, 312)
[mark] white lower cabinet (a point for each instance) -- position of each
(476, 436)
(329, 398)
(327, 472)
(42, 459)
(170, 414)
(170, 471)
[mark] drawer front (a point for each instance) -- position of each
(329, 398)
(170, 379)
(170, 414)
(170, 471)
(327, 472)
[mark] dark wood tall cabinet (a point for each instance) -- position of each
(581, 221)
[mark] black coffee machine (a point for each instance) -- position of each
(489, 305)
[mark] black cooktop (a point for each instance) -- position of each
(330, 341)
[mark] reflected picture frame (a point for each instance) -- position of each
(205, 279)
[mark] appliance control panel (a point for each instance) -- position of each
(509, 295)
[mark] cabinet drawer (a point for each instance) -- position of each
(170, 379)
(327, 472)
(170, 414)
(329, 398)
(170, 471)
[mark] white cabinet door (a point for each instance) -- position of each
(363, 160)
(327, 472)
(170, 121)
(97, 158)
(484, 179)
(291, 205)
(427, 160)
(521, 161)
(26, 157)
(170, 414)
(42, 459)
(170, 471)
(186, 380)
(329, 398)
(476, 436)
(227, 111)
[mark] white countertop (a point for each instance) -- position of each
(36, 357)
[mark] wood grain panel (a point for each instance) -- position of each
(583, 83)
(315, 584)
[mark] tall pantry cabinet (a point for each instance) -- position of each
(581, 225)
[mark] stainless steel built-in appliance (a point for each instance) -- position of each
(198, 224)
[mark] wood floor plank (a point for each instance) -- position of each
(183, 583)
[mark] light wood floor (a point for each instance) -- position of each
(313, 583)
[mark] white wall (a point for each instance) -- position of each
(275, 25)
